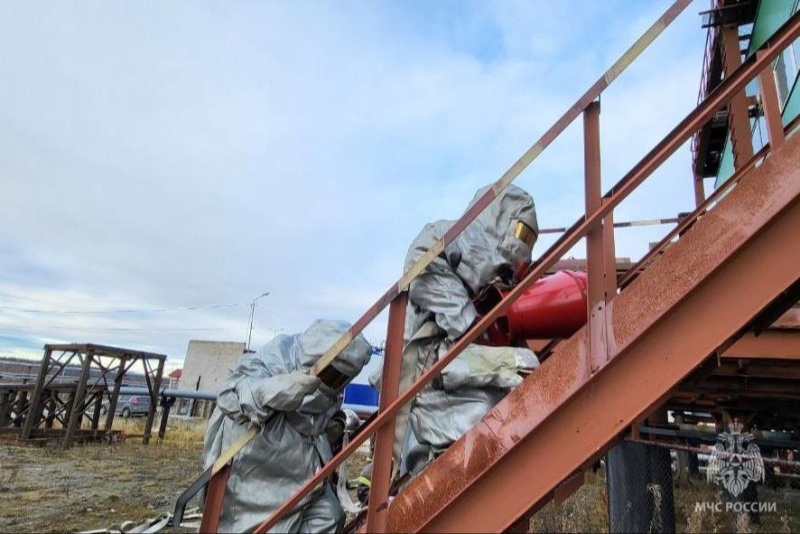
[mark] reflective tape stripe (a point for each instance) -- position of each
(524, 233)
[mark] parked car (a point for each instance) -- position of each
(129, 405)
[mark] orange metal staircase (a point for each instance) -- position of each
(694, 296)
(691, 303)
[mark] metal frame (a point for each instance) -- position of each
(84, 397)
(738, 116)
(499, 450)
(664, 325)
(386, 416)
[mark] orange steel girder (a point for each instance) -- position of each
(687, 305)
(738, 120)
(769, 345)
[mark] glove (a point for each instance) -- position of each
(285, 392)
(302, 383)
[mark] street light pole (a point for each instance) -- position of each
(252, 314)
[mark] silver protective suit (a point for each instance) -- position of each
(440, 310)
(272, 388)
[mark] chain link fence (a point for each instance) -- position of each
(666, 487)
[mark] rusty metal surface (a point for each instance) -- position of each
(109, 363)
(772, 344)
(662, 326)
(771, 107)
(104, 350)
(382, 458)
(573, 112)
(689, 220)
(509, 176)
(789, 320)
(651, 161)
(777, 462)
(720, 96)
(596, 300)
(609, 256)
(213, 503)
(738, 118)
(699, 191)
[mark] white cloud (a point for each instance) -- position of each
(180, 155)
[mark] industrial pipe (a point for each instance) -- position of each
(553, 307)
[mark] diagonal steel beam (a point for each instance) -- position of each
(771, 345)
(666, 322)
(509, 176)
(675, 9)
(782, 38)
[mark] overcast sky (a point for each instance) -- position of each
(164, 163)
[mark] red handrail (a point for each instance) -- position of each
(680, 134)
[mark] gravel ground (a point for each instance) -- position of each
(97, 486)
(46, 489)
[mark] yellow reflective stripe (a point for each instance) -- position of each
(235, 447)
(364, 480)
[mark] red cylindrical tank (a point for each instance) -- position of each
(554, 307)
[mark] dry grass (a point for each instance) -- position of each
(101, 485)
(47, 489)
(584, 511)
(689, 519)
(180, 433)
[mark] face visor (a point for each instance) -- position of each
(524, 233)
(332, 379)
(517, 245)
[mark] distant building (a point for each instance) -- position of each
(205, 367)
(207, 363)
(174, 378)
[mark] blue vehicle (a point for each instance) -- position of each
(359, 396)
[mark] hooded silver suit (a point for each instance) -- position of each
(271, 388)
(440, 310)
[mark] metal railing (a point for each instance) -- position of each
(596, 226)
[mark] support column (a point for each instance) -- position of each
(155, 395)
(738, 119)
(52, 406)
(76, 413)
(771, 107)
(609, 258)
(5, 407)
(98, 403)
(382, 458)
(699, 191)
(595, 247)
(166, 405)
(22, 405)
(32, 419)
(112, 402)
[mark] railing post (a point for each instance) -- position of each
(609, 257)
(770, 104)
(595, 248)
(32, 419)
(699, 191)
(214, 497)
(738, 119)
(382, 457)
